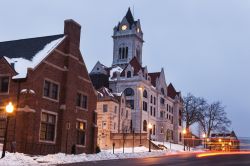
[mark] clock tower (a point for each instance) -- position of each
(128, 41)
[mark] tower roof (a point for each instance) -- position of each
(130, 17)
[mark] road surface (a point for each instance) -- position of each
(176, 160)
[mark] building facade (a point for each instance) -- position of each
(152, 100)
(113, 116)
(47, 81)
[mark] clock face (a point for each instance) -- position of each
(138, 30)
(124, 27)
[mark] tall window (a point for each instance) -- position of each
(151, 99)
(145, 125)
(81, 133)
(81, 100)
(145, 106)
(129, 92)
(154, 100)
(154, 111)
(50, 90)
(153, 129)
(151, 110)
(4, 84)
(128, 74)
(162, 101)
(105, 108)
(145, 94)
(123, 52)
(180, 137)
(48, 127)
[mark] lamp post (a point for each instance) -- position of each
(184, 133)
(149, 140)
(9, 110)
(204, 139)
(141, 91)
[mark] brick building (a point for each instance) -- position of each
(47, 81)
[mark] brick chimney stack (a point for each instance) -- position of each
(73, 30)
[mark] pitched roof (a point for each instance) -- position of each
(135, 64)
(171, 91)
(28, 53)
(25, 48)
(153, 77)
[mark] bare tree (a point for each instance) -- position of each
(213, 117)
(192, 108)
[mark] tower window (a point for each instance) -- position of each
(123, 52)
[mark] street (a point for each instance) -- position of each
(179, 160)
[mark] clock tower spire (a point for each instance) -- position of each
(128, 41)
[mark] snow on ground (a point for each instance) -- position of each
(20, 159)
(170, 146)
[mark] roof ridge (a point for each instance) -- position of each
(32, 38)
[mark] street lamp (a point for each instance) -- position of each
(9, 110)
(149, 140)
(184, 133)
(204, 139)
(141, 91)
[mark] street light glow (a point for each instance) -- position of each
(150, 126)
(9, 108)
(219, 140)
(184, 131)
(204, 135)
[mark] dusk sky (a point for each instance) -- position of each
(203, 46)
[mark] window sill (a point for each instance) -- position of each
(54, 100)
(81, 146)
(47, 142)
(4, 93)
(80, 108)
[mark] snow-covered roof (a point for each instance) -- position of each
(22, 64)
(116, 69)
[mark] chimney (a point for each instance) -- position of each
(73, 30)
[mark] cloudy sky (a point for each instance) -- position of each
(203, 46)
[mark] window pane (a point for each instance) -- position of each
(105, 108)
(4, 84)
(54, 94)
(46, 88)
(84, 101)
(44, 117)
(78, 100)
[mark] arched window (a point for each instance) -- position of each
(129, 92)
(128, 74)
(145, 94)
(145, 125)
(162, 91)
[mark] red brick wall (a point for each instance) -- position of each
(71, 67)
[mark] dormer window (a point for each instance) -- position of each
(162, 91)
(129, 74)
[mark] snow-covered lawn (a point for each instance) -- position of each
(60, 158)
